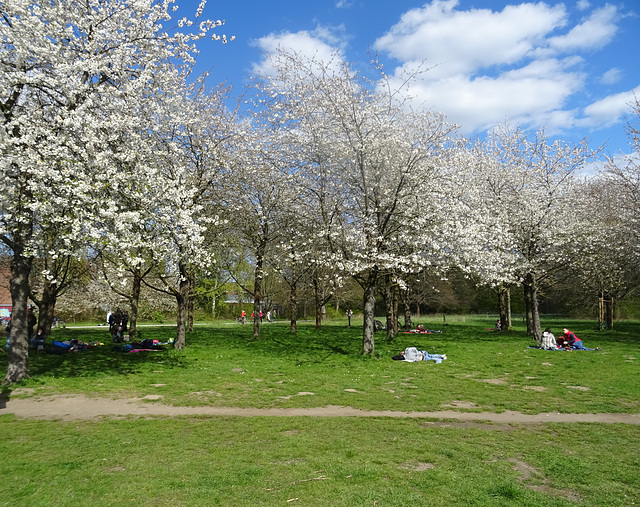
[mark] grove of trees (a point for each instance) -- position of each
(119, 166)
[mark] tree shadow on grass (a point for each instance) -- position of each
(97, 362)
(319, 344)
(278, 341)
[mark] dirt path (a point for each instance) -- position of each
(82, 407)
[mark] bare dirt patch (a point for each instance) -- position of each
(79, 407)
(460, 404)
(529, 473)
(468, 425)
(416, 467)
(496, 381)
(206, 393)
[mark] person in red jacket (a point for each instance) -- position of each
(572, 342)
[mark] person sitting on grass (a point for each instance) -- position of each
(572, 342)
(412, 354)
(548, 340)
(39, 340)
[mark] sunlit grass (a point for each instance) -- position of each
(193, 461)
(318, 461)
(224, 365)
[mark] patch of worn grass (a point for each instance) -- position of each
(224, 366)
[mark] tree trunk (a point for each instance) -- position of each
(293, 303)
(502, 306)
(318, 301)
(47, 306)
(527, 308)
(134, 302)
(257, 289)
(531, 304)
(192, 284)
(395, 305)
(48, 317)
(608, 309)
(404, 298)
(18, 364)
(369, 306)
(391, 307)
(321, 299)
(182, 298)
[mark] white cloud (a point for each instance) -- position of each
(522, 63)
(465, 41)
(478, 103)
(610, 110)
(612, 76)
(595, 32)
(322, 44)
(583, 5)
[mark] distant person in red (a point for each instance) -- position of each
(571, 341)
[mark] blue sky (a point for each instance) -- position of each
(570, 67)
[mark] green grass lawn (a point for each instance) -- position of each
(332, 461)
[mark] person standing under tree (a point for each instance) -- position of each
(349, 315)
(125, 321)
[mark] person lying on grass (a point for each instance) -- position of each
(412, 354)
(421, 330)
